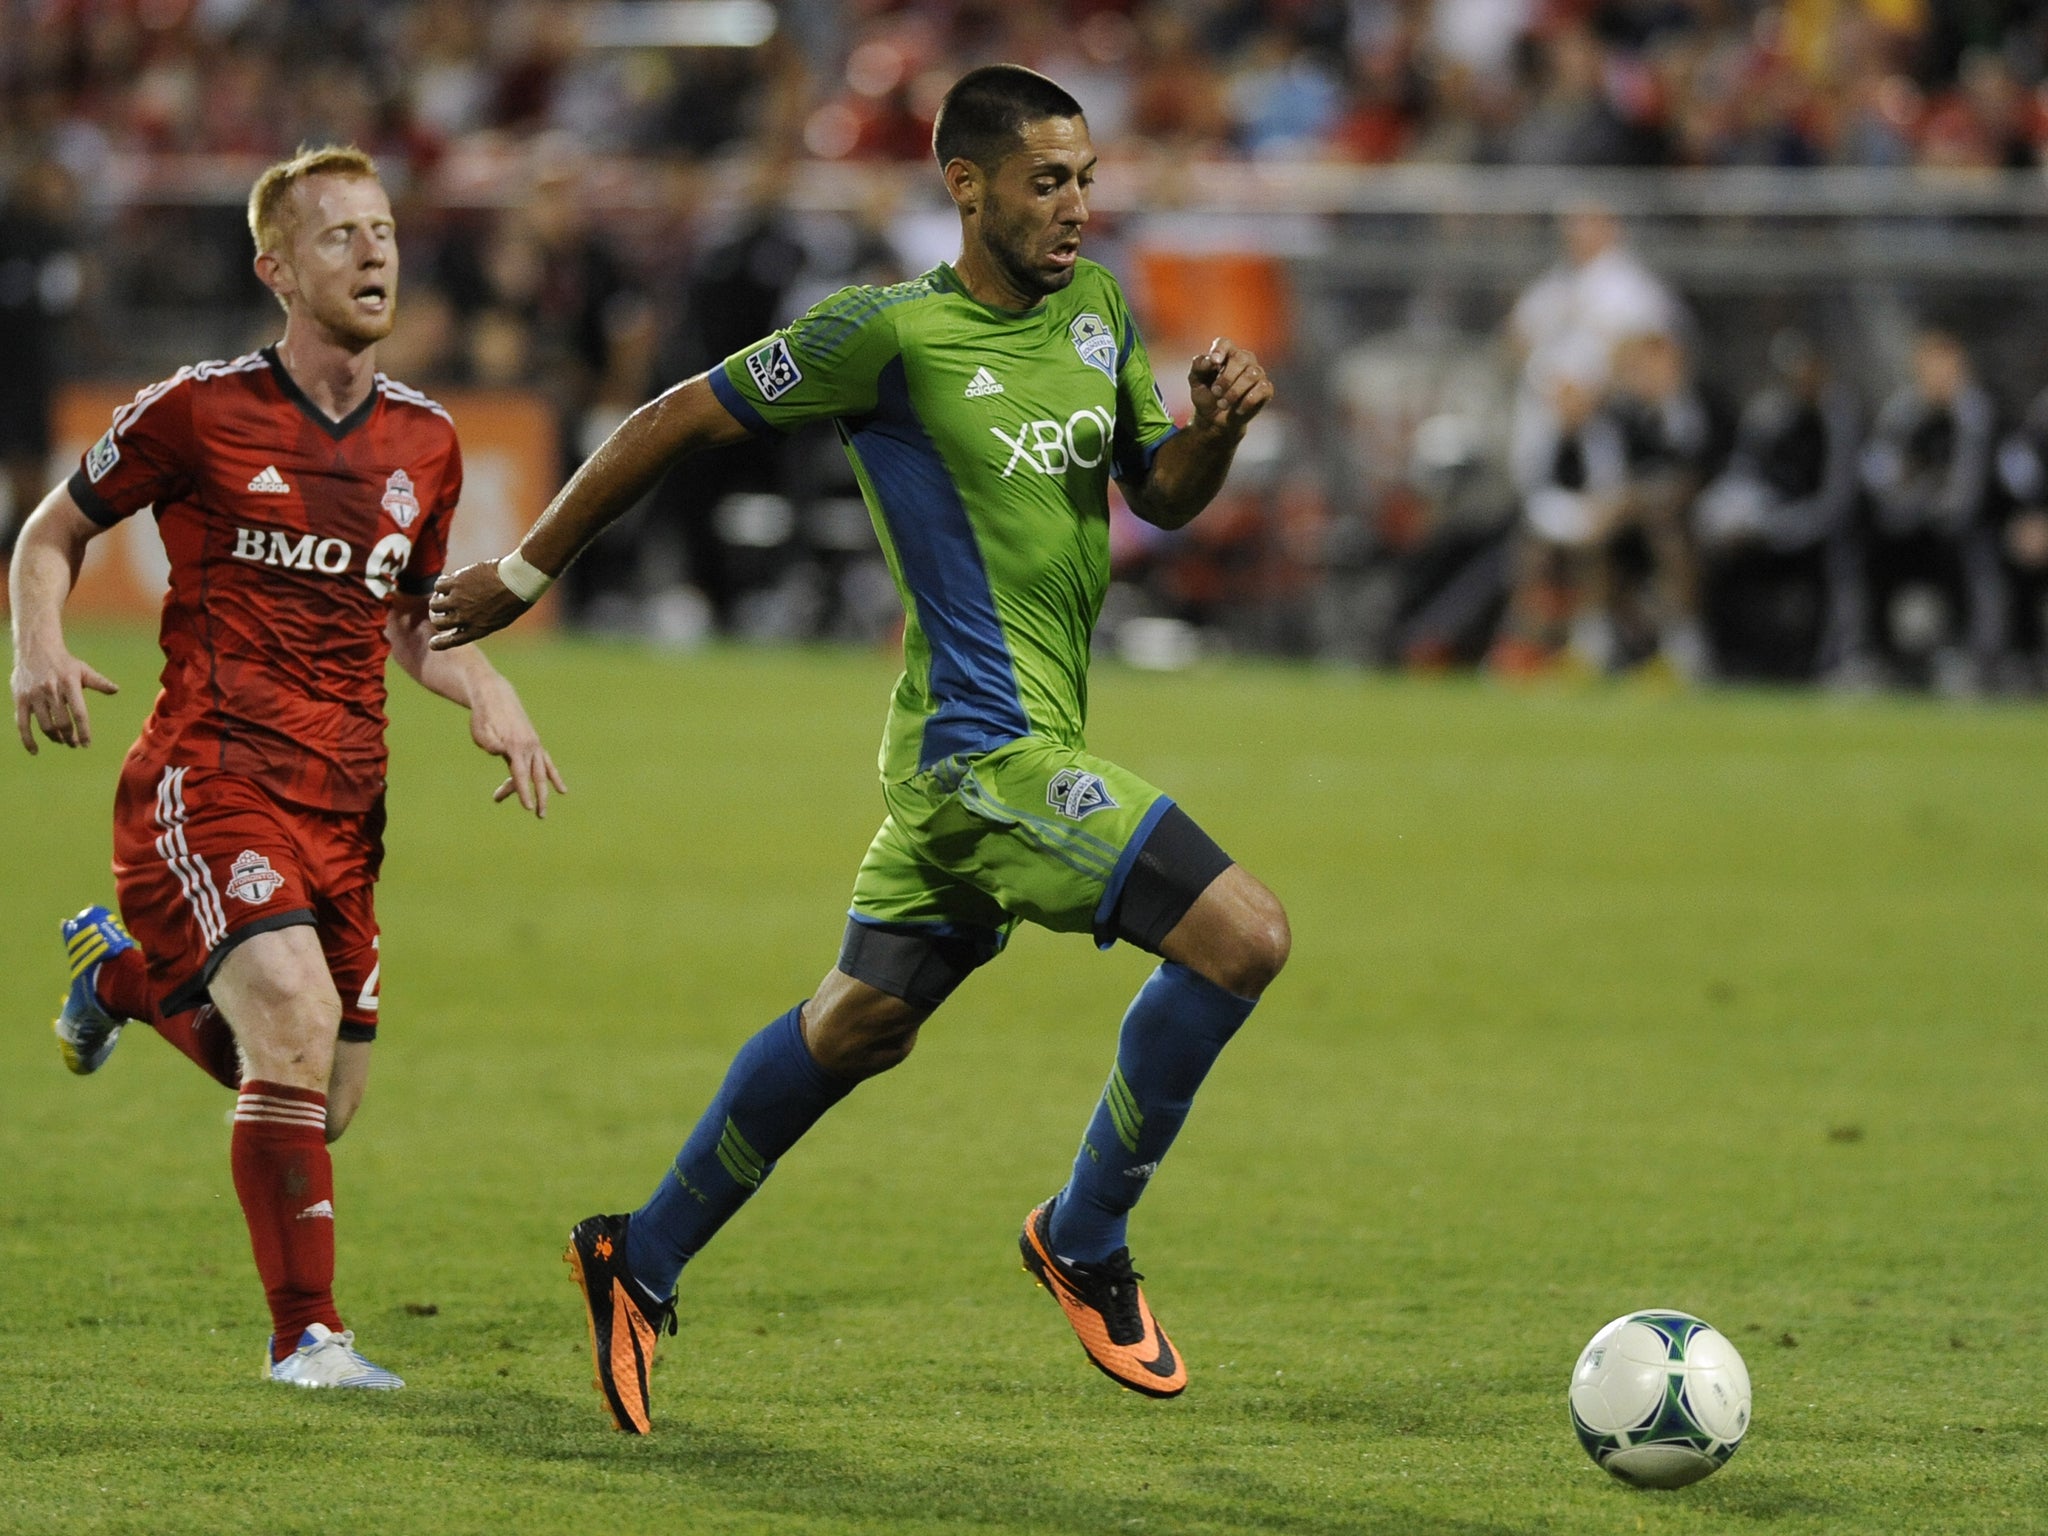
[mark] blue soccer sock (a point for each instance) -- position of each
(773, 1092)
(1176, 1027)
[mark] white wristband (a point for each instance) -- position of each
(524, 581)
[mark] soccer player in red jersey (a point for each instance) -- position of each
(304, 501)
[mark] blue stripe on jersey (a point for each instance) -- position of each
(741, 407)
(972, 678)
(1129, 459)
(1132, 460)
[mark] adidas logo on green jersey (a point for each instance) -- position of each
(983, 384)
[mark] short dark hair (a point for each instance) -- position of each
(983, 116)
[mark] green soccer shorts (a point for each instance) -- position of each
(1032, 830)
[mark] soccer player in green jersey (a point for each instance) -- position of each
(985, 406)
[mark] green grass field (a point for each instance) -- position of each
(1599, 1001)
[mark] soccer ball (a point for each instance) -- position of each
(1660, 1399)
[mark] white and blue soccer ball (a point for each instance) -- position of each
(1660, 1399)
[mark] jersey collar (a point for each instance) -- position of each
(951, 279)
(326, 423)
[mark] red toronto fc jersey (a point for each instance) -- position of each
(288, 532)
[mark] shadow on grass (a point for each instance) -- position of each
(977, 1485)
(1762, 1498)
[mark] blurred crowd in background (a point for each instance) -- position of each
(1598, 471)
(1532, 82)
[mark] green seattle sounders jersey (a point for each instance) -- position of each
(984, 441)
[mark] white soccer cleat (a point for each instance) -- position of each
(325, 1358)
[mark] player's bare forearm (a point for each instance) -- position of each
(454, 675)
(497, 719)
(1186, 475)
(48, 683)
(685, 420)
(46, 562)
(1229, 389)
(475, 601)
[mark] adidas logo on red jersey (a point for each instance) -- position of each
(270, 482)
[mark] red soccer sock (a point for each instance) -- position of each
(285, 1181)
(123, 989)
(202, 1034)
(122, 986)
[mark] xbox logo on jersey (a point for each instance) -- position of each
(1052, 447)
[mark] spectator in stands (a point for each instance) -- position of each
(1624, 82)
(1986, 123)
(1181, 100)
(736, 292)
(549, 303)
(1286, 100)
(591, 318)
(1570, 464)
(1570, 459)
(1574, 118)
(42, 274)
(1926, 544)
(428, 342)
(1774, 526)
(2023, 476)
(1478, 36)
(1600, 293)
(1671, 440)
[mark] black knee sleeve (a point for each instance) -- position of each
(912, 964)
(1177, 863)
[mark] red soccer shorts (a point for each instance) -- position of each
(206, 860)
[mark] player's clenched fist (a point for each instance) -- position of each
(471, 603)
(1229, 387)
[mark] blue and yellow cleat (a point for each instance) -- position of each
(86, 1032)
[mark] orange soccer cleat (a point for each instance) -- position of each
(1108, 1312)
(623, 1328)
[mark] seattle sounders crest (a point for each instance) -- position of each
(1077, 795)
(1093, 341)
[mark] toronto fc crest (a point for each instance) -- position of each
(399, 499)
(252, 879)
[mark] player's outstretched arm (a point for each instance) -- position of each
(479, 599)
(49, 682)
(1229, 388)
(497, 720)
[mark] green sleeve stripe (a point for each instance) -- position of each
(839, 320)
